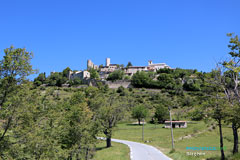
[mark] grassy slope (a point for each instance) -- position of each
(116, 152)
(161, 138)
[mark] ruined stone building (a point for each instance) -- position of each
(176, 124)
(90, 65)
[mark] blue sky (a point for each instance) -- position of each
(181, 33)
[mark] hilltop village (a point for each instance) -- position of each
(104, 71)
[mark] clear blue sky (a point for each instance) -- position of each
(181, 33)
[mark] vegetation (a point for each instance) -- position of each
(161, 113)
(116, 152)
(53, 122)
(93, 74)
(139, 112)
(116, 75)
(129, 64)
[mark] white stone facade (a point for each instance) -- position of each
(79, 74)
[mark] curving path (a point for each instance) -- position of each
(140, 151)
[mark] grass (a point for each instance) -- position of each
(161, 138)
(118, 151)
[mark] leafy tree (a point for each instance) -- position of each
(140, 79)
(232, 88)
(129, 64)
(14, 68)
(166, 81)
(91, 91)
(139, 112)
(93, 74)
(218, 113)
(115, 75)
(56, 79)
(66, 71)
(110, 112)
(161, 113)
(196, 115)
(78, 131)
(165, 70)
(76, 81)
(41, 79)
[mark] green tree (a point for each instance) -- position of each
(218, 113)
(140, 79)
(139, 112)
(93, 74)
(161, 113)
(166, 81)
(115, 75)
(129, 64)
(66, 71)
(76, 81)
(78, 131)
(110, 112)
(14, 68)
(232, 91)
(56, 79)
(41, 79)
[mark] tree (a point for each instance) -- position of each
(129, 64)
(232, 91)
(66, 71)
(14, 68)
(110, 112)
(93, 74)
(41, 79)
(218, 113)
(140, 79)
(115, 75)
(76, 81)
(78, 131)
(56, 79)
(166, 81)
(139, 112)
(161, 113)
(165, 70)
(217, 103)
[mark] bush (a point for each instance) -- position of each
(191, 85)
(121, 90)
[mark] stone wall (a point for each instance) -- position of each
(116, 84)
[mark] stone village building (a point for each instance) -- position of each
(104, 71)
(79, 74)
